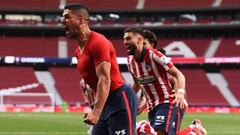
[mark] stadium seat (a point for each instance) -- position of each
(229, 47)
(198, 46)
(29, 4)
(29, 46)
(232, 77)
(173, 4)
(200, 91)
(107, 4)
(68, 84)
(20, 79)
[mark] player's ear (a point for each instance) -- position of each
(79, 21)
(140, 39)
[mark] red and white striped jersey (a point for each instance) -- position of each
(144, 128)
(88, 92)
(151, 73)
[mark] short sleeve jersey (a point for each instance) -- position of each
(151, 74)
(97, 50)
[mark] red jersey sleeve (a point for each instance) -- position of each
(100, 52)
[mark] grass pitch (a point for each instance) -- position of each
(71, 123)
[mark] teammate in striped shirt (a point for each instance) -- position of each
(88, 93)
(149, 69)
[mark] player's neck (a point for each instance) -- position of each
(138, 53)
(83, 37)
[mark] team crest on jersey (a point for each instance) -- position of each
(146, 79)
(148, 67)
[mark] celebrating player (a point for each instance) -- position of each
(115, 105)
(149, 69)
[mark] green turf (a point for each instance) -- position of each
(71, 123)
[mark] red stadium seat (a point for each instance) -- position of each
(198, 46)
(107, 4)
(29, 4)
(29, 46)
(232, 77)
(230, 3)
(68, 84)
(15, 77)
(163, 4)
(229, 47)
(200, 91)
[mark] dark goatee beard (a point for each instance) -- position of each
(132, 52)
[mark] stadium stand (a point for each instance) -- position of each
(119, 47)
(68, 84)
(107, 4)
(197, 46)
(232, 77)
(29, 4)
(230, 3)
(200, 91)
(29, 46)
(229, 47)
(20, 79)
(163, 4)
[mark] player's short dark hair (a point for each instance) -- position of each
(134, 30)
(75, 6)
(78, 6)
(152, 38)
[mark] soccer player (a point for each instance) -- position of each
(115, 105)
(150, 41)
(149, 69)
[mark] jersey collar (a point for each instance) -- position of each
(143, 54)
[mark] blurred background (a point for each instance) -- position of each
(38, 69)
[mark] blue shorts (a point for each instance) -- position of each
(166, 117)
(119, 113)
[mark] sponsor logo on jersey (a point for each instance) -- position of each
(146, 79)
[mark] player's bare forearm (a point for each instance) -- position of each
(180, 92)
(136, 87)
(103, 87)
(179, 76)
(174, 82)
(102, 92)
(181, 80)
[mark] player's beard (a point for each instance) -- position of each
(131, 51)
(71, 32)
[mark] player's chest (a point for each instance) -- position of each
(143, 72)
(85, 63)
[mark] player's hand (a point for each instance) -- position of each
(91, 118)
(179, 100)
